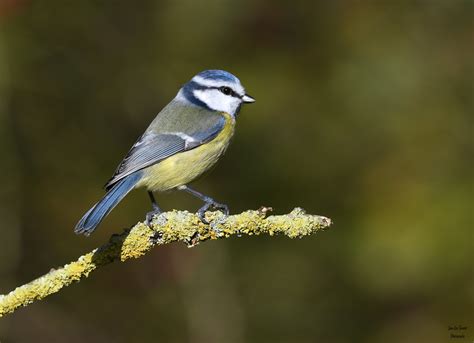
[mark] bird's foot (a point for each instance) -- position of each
(151, 214)
(201, 213)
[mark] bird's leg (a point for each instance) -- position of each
(155, 207)
(209, 203)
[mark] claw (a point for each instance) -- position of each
(208, 203)
(151, 214)
(155, 209)
(201, 213)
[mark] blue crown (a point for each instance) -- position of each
(215, 74)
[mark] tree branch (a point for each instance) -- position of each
(166, 228)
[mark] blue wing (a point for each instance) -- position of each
(157, 143)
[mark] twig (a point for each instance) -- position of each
(166, 228)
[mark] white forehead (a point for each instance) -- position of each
(235, 85)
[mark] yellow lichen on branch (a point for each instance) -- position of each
(166, 228)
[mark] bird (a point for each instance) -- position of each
(186, 138)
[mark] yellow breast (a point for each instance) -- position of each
(184, 167)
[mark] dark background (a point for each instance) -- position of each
(364, 114)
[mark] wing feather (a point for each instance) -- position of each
(154, 146)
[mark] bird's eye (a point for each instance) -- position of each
(226, 90)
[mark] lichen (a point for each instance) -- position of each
(165, 228)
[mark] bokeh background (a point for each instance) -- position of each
(364, 114)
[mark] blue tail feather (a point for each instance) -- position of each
(99, 211)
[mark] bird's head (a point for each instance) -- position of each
(216, 90)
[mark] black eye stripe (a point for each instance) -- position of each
(227, 91)
(199, 86)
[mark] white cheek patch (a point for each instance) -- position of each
(218, 101)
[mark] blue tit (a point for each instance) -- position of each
(184, 140)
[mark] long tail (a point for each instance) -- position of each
(99, 211)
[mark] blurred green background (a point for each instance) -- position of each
(364, 114)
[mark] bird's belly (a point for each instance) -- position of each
(184, 167)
